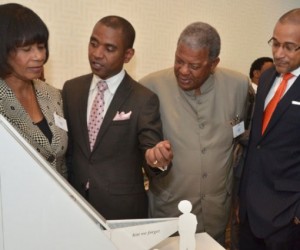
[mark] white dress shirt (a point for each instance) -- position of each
(112, 83)
(276, 83)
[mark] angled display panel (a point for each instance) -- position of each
(39, 209)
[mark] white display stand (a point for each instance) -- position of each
(203, 242)
(40, 210)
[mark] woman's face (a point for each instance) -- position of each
(27, 61)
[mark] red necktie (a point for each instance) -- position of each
(96, 115)
(274, 101)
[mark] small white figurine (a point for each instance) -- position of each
(187, 225)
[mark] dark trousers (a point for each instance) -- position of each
(288, 238)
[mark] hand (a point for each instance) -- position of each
(159, 156)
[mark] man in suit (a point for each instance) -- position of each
(108, 171)
(202, 108)
(270, 186)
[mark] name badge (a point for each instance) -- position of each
(60, 122)
(238, 129)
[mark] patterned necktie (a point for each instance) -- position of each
(274, 101)
(96, 115)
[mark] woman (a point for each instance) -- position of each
(29, 104)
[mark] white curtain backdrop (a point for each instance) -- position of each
(244, 26)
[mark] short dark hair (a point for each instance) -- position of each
(117, 22)
(258, 64)
(19, 26)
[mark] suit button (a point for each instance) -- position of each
(51, 158)
(258, 147)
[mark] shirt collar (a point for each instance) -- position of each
(206, 87)
(296, 72)
(112, 82)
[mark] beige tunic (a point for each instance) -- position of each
(200, 131)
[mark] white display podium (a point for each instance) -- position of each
(40, 210)
(203, 242)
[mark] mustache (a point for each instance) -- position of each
(279, 61)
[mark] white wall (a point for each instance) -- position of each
(244, 25)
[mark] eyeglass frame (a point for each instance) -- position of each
(284, 45)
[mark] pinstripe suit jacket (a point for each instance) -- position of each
(50, 101)
(114, 167)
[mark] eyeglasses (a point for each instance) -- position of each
(287, 47)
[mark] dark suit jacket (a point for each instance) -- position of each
(270, 188)
(114, 168)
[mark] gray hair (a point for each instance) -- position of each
(201, 35)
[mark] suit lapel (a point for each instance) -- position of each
(47, 108)
(121, 95)
(82, 112)
(292, 94)
(264, 88)
(284, 103)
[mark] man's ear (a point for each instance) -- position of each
(256, 73)
(129, 53)
(214, 64)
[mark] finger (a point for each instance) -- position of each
(167, 144)
(150, 157)
(164, 153)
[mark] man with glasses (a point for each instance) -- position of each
(270, 187)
